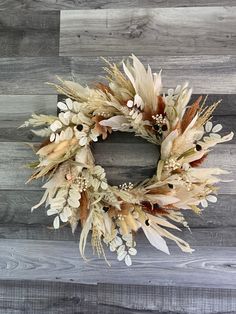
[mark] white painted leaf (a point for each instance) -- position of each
(67, 211)
(211, 198)
(69, 103)
(127, 237)
(83, 141)
(104, 185)
(112, 248)
(52, 137)
(204, 203)
(56, 222)
(62, 136)
(208, 126)
(118, 241)
(155, 239)
(63, 217)
(121, 249)
(68, 133)
(76, 106)
(52, 211)
(115, 122)
(73, 202)
(55, 125)
(62, 106)
(121, 256)
(128, 260)
(63, 118)
(132, 251)
(57, 138)
(217, 128)
(215, 136)
(131, 243)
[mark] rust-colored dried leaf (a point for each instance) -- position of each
(104, 88)
(197, 163)
(84, 207)
(102, 130)
(161, 105)
(44, 143)
(154, 209)
(190, 114)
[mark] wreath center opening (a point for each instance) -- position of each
(126, 157)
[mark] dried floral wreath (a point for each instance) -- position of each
(77, 188)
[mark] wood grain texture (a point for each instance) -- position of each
(156, 31)
(31, 34)
(37, 297)
(153, 299)
(28, 75)
(103, 4)
(15, 110)
(57, 297)
(60, 261)
(118, 169)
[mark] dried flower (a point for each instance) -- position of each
(77, 189)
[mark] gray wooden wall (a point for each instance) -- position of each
(40, 269)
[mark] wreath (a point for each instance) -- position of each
(77, 190)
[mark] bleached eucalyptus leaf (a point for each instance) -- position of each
(52, 211)
(132, 251)
(121, 256)
(62, 106)
(56, 222)
(128, 260)
(63, 217)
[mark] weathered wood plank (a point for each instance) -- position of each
(139, 163)
(28, 75)
(103, 4)
(14, 110)
(167, 299)
(60, 261)
(29, 34)
(156, 31)
(39, 297)
(58, 297)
